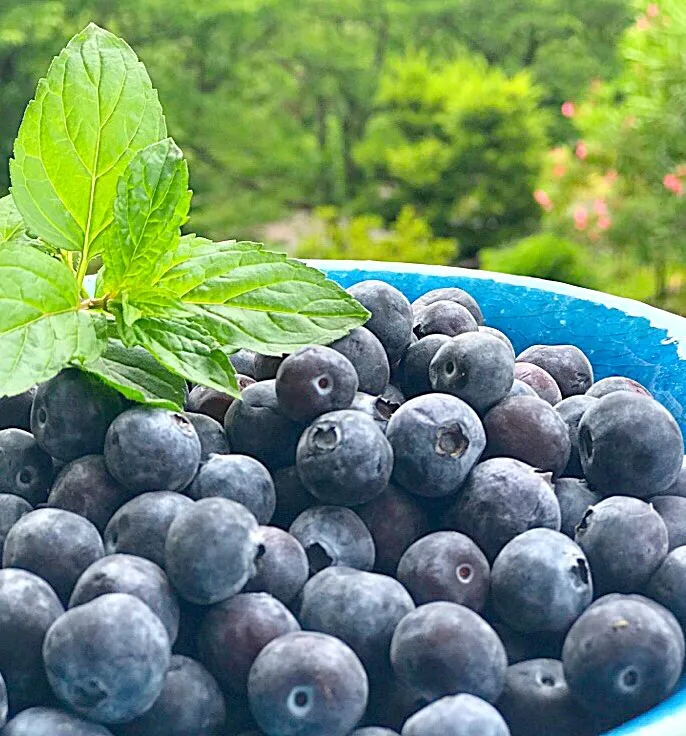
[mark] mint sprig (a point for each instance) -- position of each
(94, 173)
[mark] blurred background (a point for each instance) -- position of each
(541, 137)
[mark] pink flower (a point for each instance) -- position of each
(652, 11)
(559, 170)
(611, 176)
(643, 24)
(580, 217)
(543, 199)
(600, 207)
(673, 183)
(581, 150)
(567, 109)
(604, 222)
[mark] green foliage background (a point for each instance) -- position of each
(410, 130)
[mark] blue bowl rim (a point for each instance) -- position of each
(673, 323)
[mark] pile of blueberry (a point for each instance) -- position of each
(412, 531)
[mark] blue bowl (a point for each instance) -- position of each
(620, 336)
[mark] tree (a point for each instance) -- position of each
(462, 143)
(622, 184)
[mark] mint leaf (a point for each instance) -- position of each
(42, 326)
(176, 336)
(138, 376)
(256, 299)
(12, 228)
(92, 112)
(151, 205)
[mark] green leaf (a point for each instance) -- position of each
(136, 374)
(42, 326)
(175, 334)
(95, 109)
(261, 300)
(151, 205)
(12, 228)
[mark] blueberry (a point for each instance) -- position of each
(443, 318)
(536, 701)
(71, 413)
(344, 458)
(446, 566)
(292, 498)
(457, 715)
(574, 497)
(530, 430)
(52, 722)
(334, 535)
(519, 388)
(213, 403)
(678, 488)
(567, 364)
(211, 435)
(150, 449)
(376, 407)
(281, 565)
(392, 702)
(255, 426)
(244, 362)
(522, 647)
(500, 335)
(571, 410)
(307, 683)
(501, 499)
(107, 659)
(609, 385)
(391, 315)
(85, 487)
(445, 649)
(373, 731)
(25, 469)
(622, 657)
(239, 478)
(140, 526)
(452, 294)
(15, 411)
(395, 519)
(541, 581)
(55, 544)
(315, 380)
(672, 509)
(476, 367)
(133, 575)
(661, 610)
(267, 366)
(667, 585)
(608, 533)
(540, 381)
(235, 631)
(437, 439)
(360, 608)
(210, 550)
(630, 444)
(413, 371)
(190, 704)
(12, 508)
(393, 394)
(28, 607)
(367, 355)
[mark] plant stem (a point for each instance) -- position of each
(83, 267)
(95, 303)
